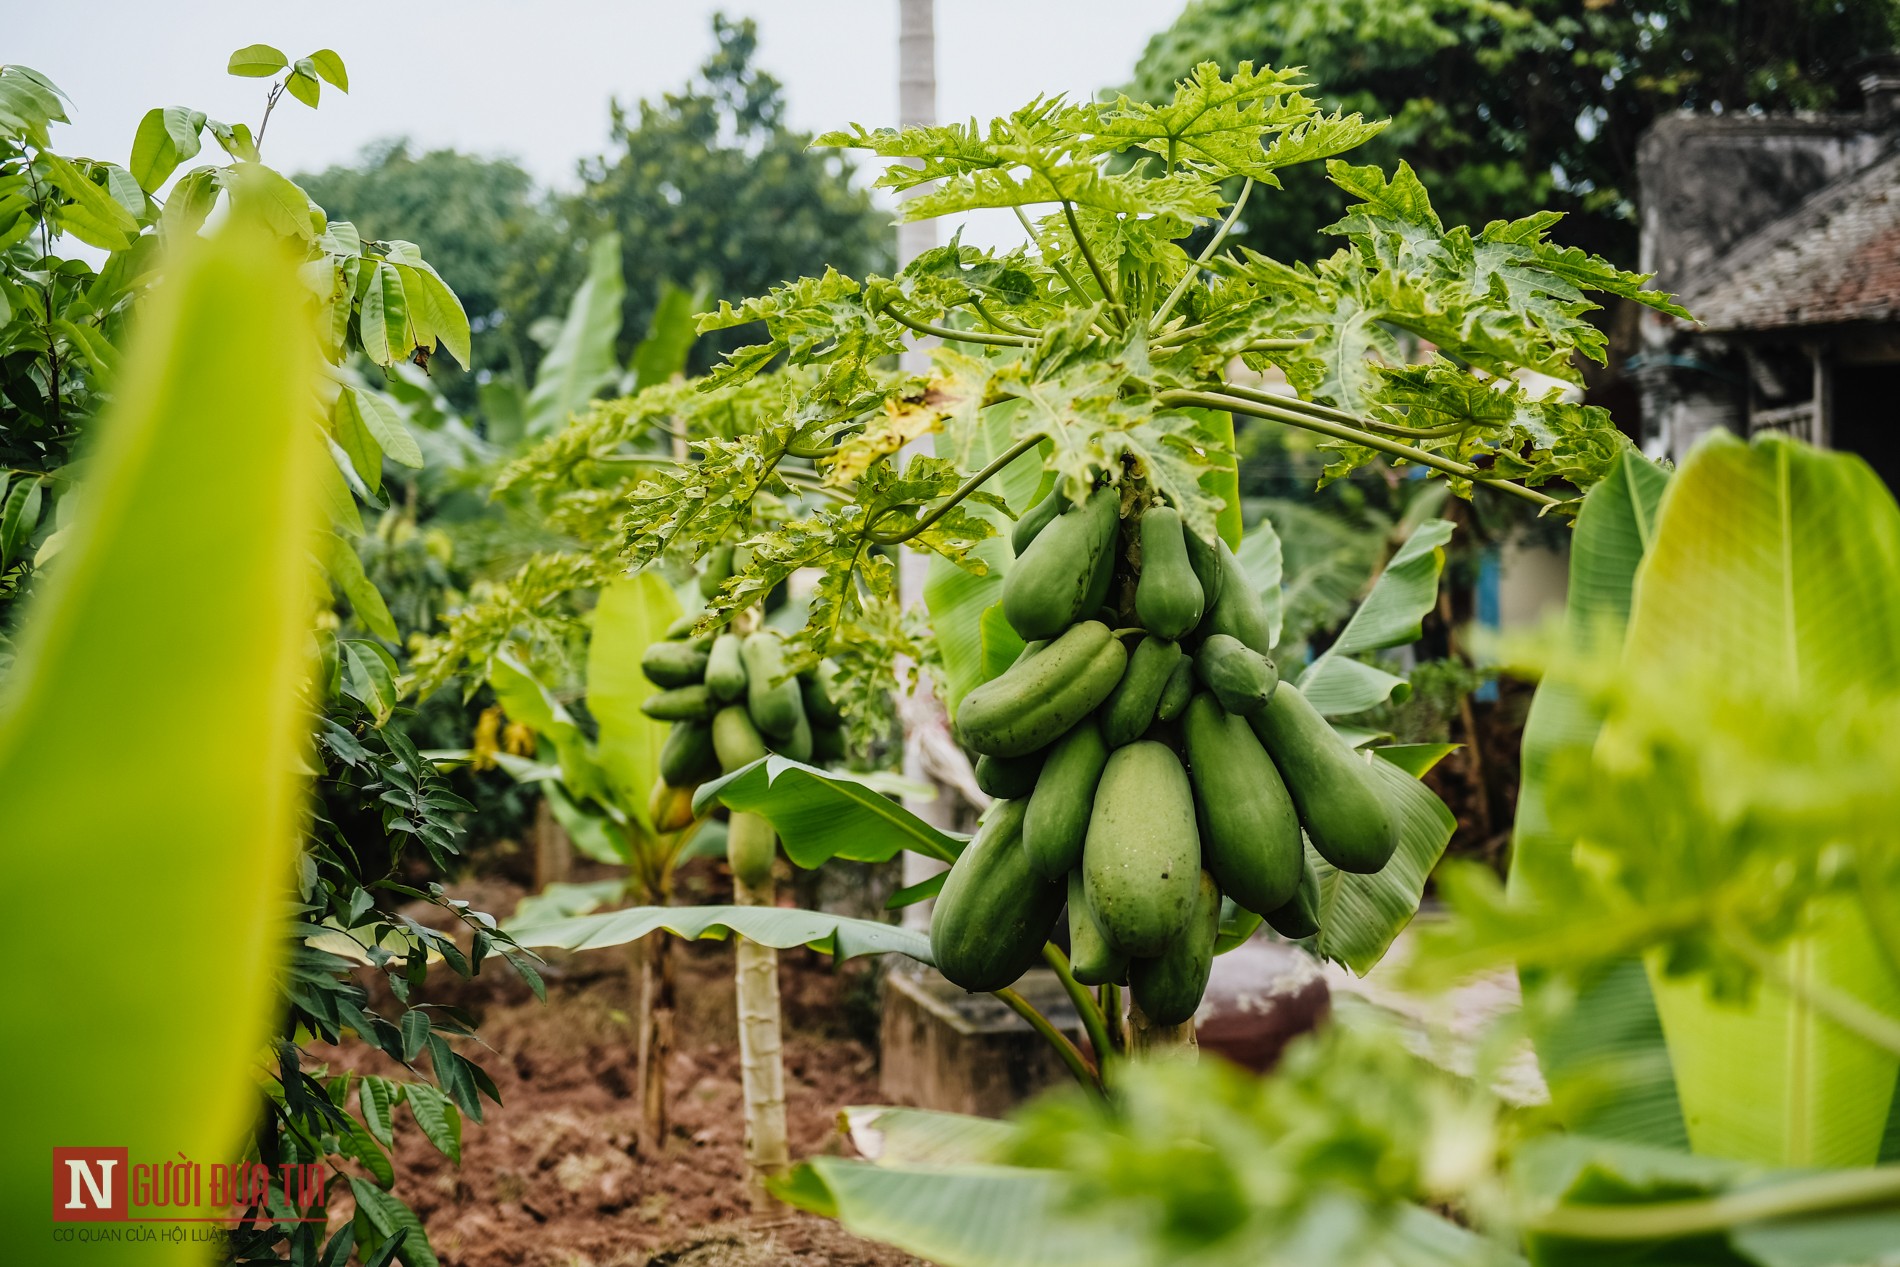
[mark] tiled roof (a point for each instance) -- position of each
(1835, 258)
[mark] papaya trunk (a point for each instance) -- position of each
(1148, 1041)
(761, 1068)
(655, 1037)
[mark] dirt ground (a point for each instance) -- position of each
(555, 1177)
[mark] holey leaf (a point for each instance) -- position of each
(190, 814)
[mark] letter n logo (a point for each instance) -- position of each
(89, 1185)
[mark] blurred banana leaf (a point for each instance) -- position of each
(1361, 915)
(1390, 616)
(824, 814)
(775, 926)
(150, 734)
(632, 614)
(580, 361)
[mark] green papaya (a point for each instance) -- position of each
(1241, 678)
(1007, 778)
(828, 746)
(1168, 598)
(994, 913)
(1092, 961)
(1239, 613)
(1179, 690)
(718, 568)
(735, 738)
(1299, 918)
(1130, 707)
(1168, 987)
(1205, 559)
(771, 697)
(725, 669)
(669, 664)
(682, 703)
(686, 755)
(1142, 856)
(1050, 584)
(797, 745)
(814, 688)
(1250, 833)
(1035, 519)
(1058, 816)
(1339, 805)
(670, 808)
(1040, 698)
(751, 844)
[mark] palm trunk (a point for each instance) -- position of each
(761, 1071)
(1148, 1041)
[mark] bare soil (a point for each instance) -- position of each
(555, 1176)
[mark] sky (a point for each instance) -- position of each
(532, 80)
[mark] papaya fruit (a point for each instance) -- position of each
(1179, 690)
(1168, 597)
(751, 844)
(1130, 707)
(1339, 806)
(1239, 613)
(1092, 961)
(771, 697)
(1050, 585)
(1040, 698)
(797, 745)
(718, 568)
(1205, 559)
(682, 703)
(828, 746)
(668, 664)
(725, 671)
(1299, 918)
(735, 739)
(814, 688)
(670, 808)
(994, 913)
(1141, 859)
(1035, 519)
(686, 755)
(1007, 778)
(1250, 832)
(1168, 987)
(1241, 678)
(1058, 816)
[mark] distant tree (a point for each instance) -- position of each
(483, 223)
(1539, 103)
(709, 187)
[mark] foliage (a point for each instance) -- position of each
(1536, 102)
(709, 188)
(149, 773)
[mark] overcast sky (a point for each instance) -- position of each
(532, 80)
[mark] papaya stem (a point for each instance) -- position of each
(1071, 1055)
(1112, 1013)
(1207, 252)
(959, 336)
(1088, 257)
(968, 486)
(1093, 1023)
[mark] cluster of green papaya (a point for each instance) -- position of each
(1147, 761)
(730, 702)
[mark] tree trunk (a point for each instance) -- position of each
(1148, 1041)
(762, 1072)
(655, 1040)
(553, 851)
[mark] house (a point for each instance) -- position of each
(1782, 235)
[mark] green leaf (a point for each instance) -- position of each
(193, 809)
(595, 835)
(633, 613)
(377, 415)
(275, 198)
(1002, 645)
(670, 335)
(388, 1217)
(357, 1142)
(166, 138)
(434, 308)
(257, 61)
(19, 515)
(440, 1120)
(328, 65)
(559, 900)
(1777, 566)
(526, 700)
(415, 1033)
(1259, 555)
(776, 926)
(346, 570)
(888, 1136)
(1390, 615)
(820, 815)
(384, 320)
(1361, 915)
(303, 85)
(581, 360)
(377, 1097)
(93, 216)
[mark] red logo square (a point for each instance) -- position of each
(89, 1184)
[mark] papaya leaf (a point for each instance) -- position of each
(775, 926)
(820, 814)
